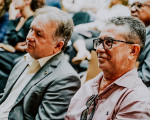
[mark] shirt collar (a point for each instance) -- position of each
(41, 61)
(125, 80)
(128, 79)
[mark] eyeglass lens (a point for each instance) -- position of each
(84, 114)
(107, 43)
(90, 100)
(88, 104)
(137, 4)
(86, 111)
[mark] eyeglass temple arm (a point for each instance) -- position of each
(124, 41)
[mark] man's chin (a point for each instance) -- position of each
(29, 50)
(101, 65)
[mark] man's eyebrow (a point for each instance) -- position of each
(36, 28)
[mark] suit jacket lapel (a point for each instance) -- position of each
(17, 71)
(47, 69)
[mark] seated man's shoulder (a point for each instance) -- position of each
(138, 93)
(66, 68)
(87, 89)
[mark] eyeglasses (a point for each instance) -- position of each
(106, 42)
(138, 5)
(93, 98)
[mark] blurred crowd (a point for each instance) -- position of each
(89, 17)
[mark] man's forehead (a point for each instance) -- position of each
(39, 19)
(38, 26)
(40, 22)
(114, 29)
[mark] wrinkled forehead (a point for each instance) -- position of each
(41, 18)
(112, 30)
(141, 1)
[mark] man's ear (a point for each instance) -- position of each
(135, 50)
(59, 46)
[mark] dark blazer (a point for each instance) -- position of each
(47, 95)
(144, 59)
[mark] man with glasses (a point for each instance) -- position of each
(142, 11)
(117, 92)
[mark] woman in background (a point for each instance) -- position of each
(4, 17)
(16, 35)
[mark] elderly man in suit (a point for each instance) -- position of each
(41, 85)
(117, 93)
(140, 9)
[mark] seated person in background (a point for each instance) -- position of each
(55, 3)
(4, 18)
(117, 93)
(90, 6)
(16, 35)
(115, 8)
(141, 10)
(41, 85)
(81, 47)
(83, 44)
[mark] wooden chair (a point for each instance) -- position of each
(93, 69)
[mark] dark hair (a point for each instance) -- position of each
(35, 4)
(137, 30)
(5, 7)
(7, 4)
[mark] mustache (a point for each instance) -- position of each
(103, 56)
(30, 43)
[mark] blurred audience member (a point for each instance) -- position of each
(54, 3)
(117, 93)
(14, 41)
(4, 17)
(82, 11)
(41, 85)
(141, 9)
(91, 6)
(117, 7)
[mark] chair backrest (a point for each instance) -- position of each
(93, 69)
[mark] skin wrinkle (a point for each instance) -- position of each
(45, 39)
(52, 24)
(130, 35)
(116, 33)
(61, 32)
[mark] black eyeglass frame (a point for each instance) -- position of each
(85, 112)
(107, 38)
(138, 3)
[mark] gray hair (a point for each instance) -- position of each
(137, 30)
(61, 19)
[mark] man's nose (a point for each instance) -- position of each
(30, 36)
(134, 9)
(100, 47)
